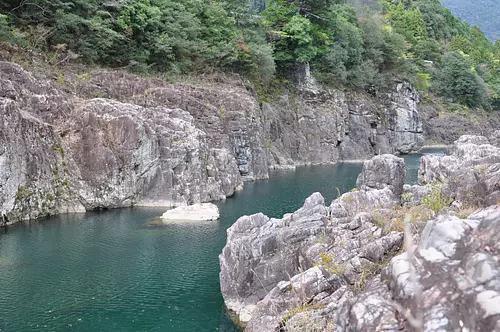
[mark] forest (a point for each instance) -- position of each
(361, 45)
(483, 13)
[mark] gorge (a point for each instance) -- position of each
(115, 270)
(338, 161)
(144, 142)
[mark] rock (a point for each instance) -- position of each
(383, 171)
(443, 127)
(494, 138)
(406, 125)
(327, 126)
(131, 155)
(83, 154)
(471, 172)
(204, 211)
(458, 274)
(471, 139)
(34, 180)
(347, 206)
(334, 260)
(262, 254)
(289, 295)
(414, 195)
(149, 143)
(387, 124)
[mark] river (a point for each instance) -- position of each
(117, 271)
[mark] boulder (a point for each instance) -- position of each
(260, 252)
(381, 172)
(456, 265)
(470, 175)
(195, 212)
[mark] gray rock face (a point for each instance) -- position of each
(383, 171)
(143, 141)
(459, 276)
(335, 278)
(328, 126)
(471, 172)
(130, 155)
(389, 124)
(446, 127)
(269, 267)
(34, 178)
(80, 155)
(261, 252)
(226, 112)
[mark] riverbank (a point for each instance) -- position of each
(109, 139)
(340, 267)
(161, 268)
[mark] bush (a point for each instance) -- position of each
(436, 200)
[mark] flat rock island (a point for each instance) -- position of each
(195, 212)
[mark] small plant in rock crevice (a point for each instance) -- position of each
(301, 308)
(393, 219)
(327, 262)
(436, 200)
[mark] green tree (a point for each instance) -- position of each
(457, 81)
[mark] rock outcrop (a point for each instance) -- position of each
(445, 127)
(339, 268)
(34, 179)
(266, 261)
(470, 175)
(195, 212)
(383, 171)
(328, 126)
(109, 139)
(62, 154)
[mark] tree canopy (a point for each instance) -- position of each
(353, 44)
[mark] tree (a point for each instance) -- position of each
(457, 81)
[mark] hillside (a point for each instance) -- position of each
(356, 45)
(483, 13)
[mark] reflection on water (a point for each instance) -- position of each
(121, 270)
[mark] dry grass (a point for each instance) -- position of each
(393, 221)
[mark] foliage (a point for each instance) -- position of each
(457, 80)
(299, 309)
(394, 219)
(358, 44)
(327, 262)
(436, 200)
(423, 81)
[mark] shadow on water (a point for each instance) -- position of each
(122, 270)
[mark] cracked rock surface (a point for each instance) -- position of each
(341, 268)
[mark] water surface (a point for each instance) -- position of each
(114, 271)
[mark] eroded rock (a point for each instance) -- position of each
(383, 171)
(341, 278)
(471, 174)
(195, 212)
(269, 267)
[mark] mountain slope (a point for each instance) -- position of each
(483, 13)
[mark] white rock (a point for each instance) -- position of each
(196, 212)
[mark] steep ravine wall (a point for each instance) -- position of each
(106, 140)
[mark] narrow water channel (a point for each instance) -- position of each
(115, 271)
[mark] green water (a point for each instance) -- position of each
(113, 271)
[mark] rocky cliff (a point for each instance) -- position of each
(343, 267)
(76, 142)
(442, 126)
